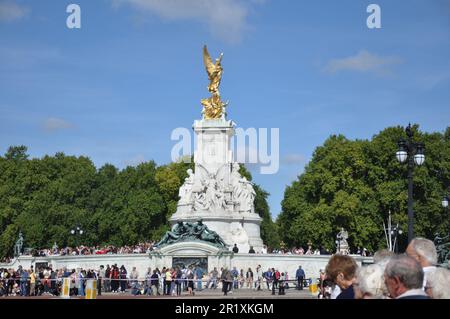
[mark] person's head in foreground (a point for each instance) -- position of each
(341, 269)
(403, 277)
(438, 284)
(369, 283)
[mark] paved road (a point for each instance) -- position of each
(204, 294)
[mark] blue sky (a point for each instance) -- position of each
(116, 88)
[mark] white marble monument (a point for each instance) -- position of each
(216, 192)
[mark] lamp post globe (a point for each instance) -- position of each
(401, 154)
(445, 202)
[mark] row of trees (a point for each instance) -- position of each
(45, 198)
(354, 183)
(348, 183)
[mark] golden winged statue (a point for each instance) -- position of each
(213, 107)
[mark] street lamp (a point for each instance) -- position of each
(396, 231)
(413, 153)
(76, 231)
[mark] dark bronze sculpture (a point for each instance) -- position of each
(191, 232)
(443, 248)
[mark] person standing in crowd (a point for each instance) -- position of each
(235, 276)
(32, 282)
(213, 276)
(123, 279)
(107, 280)
(115, 278)
(53, 283)
(168, 281)
(199, 276)
(134, 276)
(281, 283)
(268, 275)
(300, 276)
(235, 249)
(154, 282)
(258, 278)
(148, 282)
(24, 277)
(424, 252)
(81, 279)
(241, 279)
(178, 280)
(101, 276)
(226, 278)
(190, 279)
(251, 250)
(275, 278)
(403, 277)
(341, 269)
(249, 278)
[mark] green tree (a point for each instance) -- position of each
(354, 184)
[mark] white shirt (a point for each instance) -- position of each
(335, 292)
(427, 271)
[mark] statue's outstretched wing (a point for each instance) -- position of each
(209, 65)
(223, 174)
(202, 175)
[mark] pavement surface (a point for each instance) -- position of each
(291, 293)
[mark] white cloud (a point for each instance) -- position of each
(293, 159)
(364, 61)
(135, 161)
(10, 11)
(54, 124)
(225, 18)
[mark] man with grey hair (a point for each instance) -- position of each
(424, 251)
(382, 256)
(403, 277)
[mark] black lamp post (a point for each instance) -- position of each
(414, 153)
(77, 231)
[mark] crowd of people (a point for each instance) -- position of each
(167, 281)
(140, 248)
(146, 247)
(413, 275)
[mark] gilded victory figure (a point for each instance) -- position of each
(213, 107)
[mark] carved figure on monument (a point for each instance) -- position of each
(342, 237)
(239, 234)
(202, 232)
(18, 246)
(188, 231)
(185, 192)
(246, 195)
(210, 193)
(178, 231)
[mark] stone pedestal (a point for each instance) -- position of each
(216, 192)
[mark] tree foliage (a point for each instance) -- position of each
(45, 198)
(354, 184)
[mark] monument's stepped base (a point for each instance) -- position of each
(311, 264)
